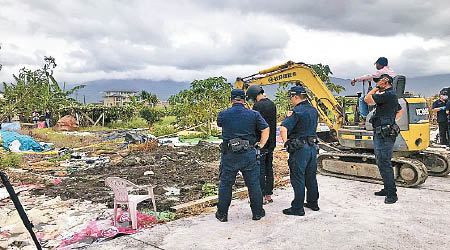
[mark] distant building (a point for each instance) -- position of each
(118, 98)
(162, 104)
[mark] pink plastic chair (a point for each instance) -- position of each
(120, 188)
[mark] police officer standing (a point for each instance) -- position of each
(298, 132)
(239, 127)
(439, 106)
(268, 111)
(388, 110)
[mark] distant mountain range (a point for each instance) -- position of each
(94, 90)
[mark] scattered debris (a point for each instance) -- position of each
(13, 126)
(66, 123)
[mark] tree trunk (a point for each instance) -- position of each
(209, 127)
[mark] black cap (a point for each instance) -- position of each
(390, 79)
(297, 90)
(383, 61)
(237, 94)
(253, 91)
(443, 91)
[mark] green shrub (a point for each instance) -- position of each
(151, 115)
(60, 158)
(134, 122)
(209, 190)
(161, 130)
(10, 160)
(193, 136)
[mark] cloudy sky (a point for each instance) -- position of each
(187, 40)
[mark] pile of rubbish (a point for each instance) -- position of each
(62, 224)
(11, 126)
(66, 123)
(21, 143)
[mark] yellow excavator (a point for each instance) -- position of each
(348, 144)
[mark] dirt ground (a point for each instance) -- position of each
(178, 174)
(351, 217)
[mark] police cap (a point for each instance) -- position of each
(237, 94)
(383, 61)
(297, 90)
(390, 80)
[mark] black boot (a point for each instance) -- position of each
(258, 216)
(292, 211)
(382, 192)
(390, 199)
(312, 205)
(223, 217)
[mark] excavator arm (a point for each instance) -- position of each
(303, 75)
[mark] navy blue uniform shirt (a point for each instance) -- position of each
(302, 122)
(386, 109)
(441, 115)
(238, 121)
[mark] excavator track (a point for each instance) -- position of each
(362, 167)
(437, 163)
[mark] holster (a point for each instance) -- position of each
(235, 145)
(388, 130)
(295, 144)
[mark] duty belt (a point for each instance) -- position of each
(235, 145)
(295, 144)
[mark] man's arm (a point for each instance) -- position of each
(264, 136)
(369, 99)
(399, 113)
(435, 108)
(219, 119)
(283, 133)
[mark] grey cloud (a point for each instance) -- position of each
(420, 61)
(8, 57)
(111, 35)
(374, 17)
(117, 55)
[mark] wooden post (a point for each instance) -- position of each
(103, 122)
(85, 115)
(98, 119)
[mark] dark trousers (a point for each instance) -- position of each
(265, 161)
(443, 133)
(384, 148)
(230, 165)
(303, 167)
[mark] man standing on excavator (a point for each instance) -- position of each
(385, 131)
(382, 68)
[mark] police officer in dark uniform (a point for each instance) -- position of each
(268, 111)
(239, 126)
(439, 106)
(388, 110)
(298, 132)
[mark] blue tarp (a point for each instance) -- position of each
(27, 142)
(11, 126)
